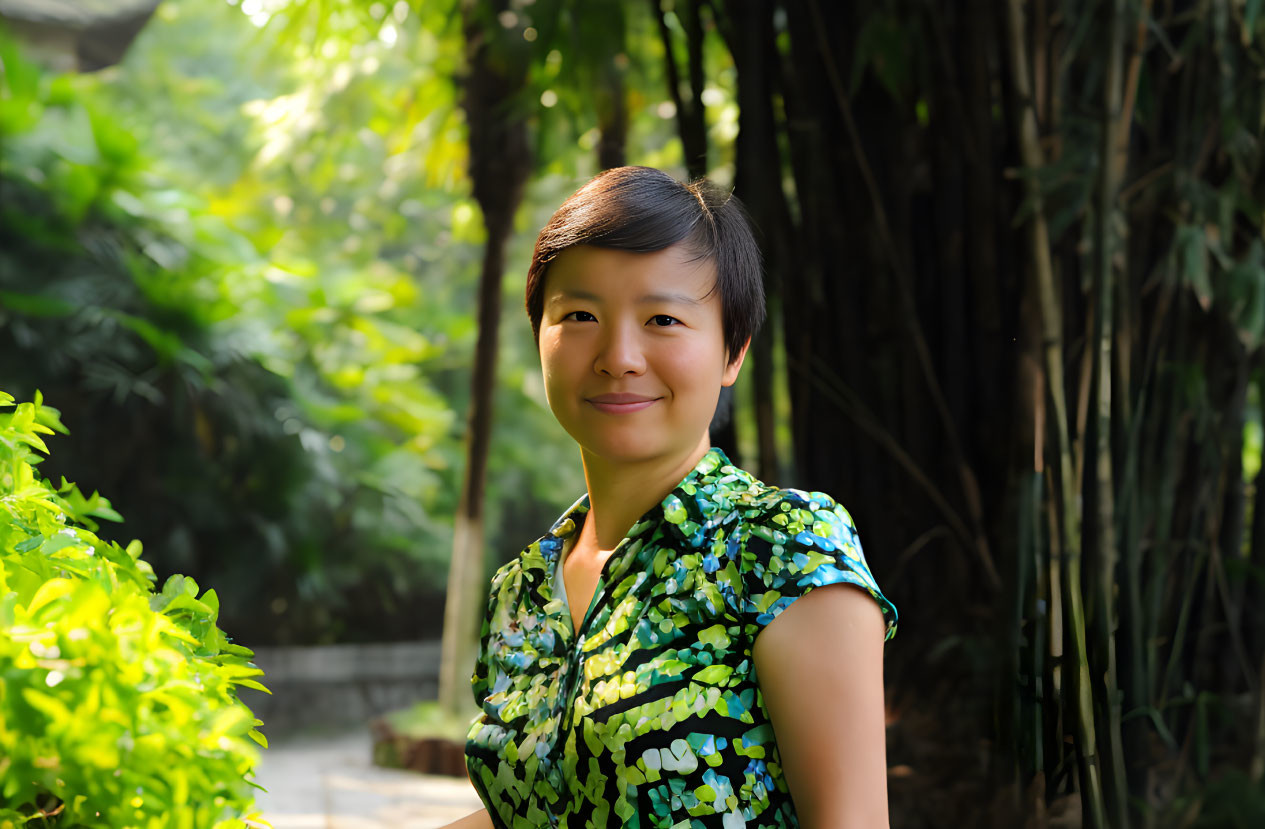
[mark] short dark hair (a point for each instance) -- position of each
(643, 210)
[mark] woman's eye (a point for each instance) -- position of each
(580, 316)
(664, 320)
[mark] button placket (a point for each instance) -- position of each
(616, 564)
(570, 681)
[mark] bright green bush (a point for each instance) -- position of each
(118, 705)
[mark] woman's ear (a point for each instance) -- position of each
(735, 363)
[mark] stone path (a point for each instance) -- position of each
(327, 782)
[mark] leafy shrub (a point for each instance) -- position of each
(118, 705)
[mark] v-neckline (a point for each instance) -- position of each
(585, 608)
(679, 509)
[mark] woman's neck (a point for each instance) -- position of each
(620, 493)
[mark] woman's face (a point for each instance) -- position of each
(632, 347)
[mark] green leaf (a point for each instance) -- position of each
(1191, 251)
(61, 541)
(29, 544)
(1251, 11)
(48, 705)
(50, 591)
(250, 683)
(36, 305)
(1246, 280)
(184, 601)
(883, 47)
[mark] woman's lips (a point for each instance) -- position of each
(621, 403)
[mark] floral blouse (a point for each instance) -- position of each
(652, 716)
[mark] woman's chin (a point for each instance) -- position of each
(625, 448)
(622, 453)
(635, 449)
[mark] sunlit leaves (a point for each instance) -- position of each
(118, 702)
(281, 285)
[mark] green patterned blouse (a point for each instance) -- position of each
(652, 716)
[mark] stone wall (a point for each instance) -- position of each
(331, 687)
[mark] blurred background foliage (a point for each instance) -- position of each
(1016, 274)
(245, 269)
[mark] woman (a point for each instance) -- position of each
(662, 656)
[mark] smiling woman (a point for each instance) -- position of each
(625, 674)
(633, 351)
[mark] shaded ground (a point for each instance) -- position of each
(327, 781)
(937, 777)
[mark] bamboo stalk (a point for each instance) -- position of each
(1191, 577)
(1031, 602)
(1054, 575)
(1132, 620)
(1129, 506)
(1229, 544)
(1256, 767)
(1035, 495)
(1069, 529)
(1173, 436)
(1103, 577)
(1083, 396)
(1033, 580)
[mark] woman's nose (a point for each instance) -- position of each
(619, 354)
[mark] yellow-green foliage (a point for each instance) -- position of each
(118, 704)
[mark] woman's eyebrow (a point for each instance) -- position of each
(564, 295)
(684, 299)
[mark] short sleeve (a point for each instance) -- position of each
(804, 540)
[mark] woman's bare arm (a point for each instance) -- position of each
(477, 820)
(820, 669)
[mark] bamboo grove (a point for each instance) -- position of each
(1021, 260)
(1016, 267)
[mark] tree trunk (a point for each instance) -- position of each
(687, 97)
(612, 113)
(692, 129)
(500, 162)
(759, 184)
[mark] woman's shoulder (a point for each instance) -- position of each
(791, 520)
(797, 540)
(788, 508)
(515, 574)
(731, 493)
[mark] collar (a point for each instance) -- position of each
(702, 498)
